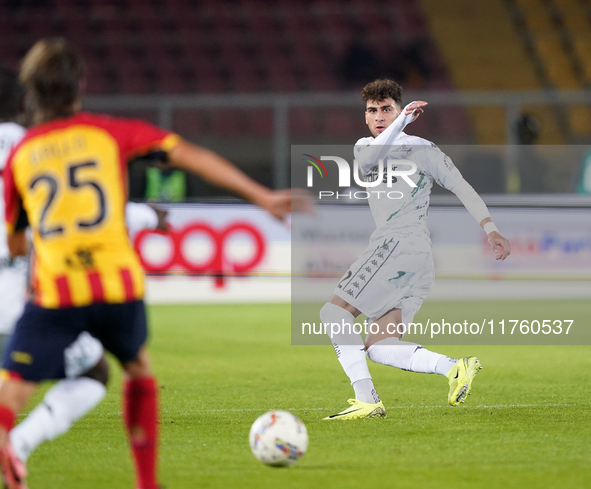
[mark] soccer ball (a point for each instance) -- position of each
(278, 438)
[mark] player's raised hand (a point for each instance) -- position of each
(161, 214)
(417, 107)
(499, 245)
(279, 203)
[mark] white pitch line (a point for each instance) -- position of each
(480, 406)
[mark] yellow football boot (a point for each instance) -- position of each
(460, 378)
(360, 409)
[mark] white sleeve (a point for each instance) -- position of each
(471, 200)
(368, 155)
(439, 166)
(10, 136)
(140, 216)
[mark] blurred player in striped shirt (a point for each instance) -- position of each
(66, 179)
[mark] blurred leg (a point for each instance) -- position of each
(141, 418)
(13, 397)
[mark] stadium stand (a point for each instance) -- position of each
(484, 54)
(518, 45)
(247, 46)
(139, 47)
(555, 34)
(244, 45)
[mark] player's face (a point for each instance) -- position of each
(379, 114)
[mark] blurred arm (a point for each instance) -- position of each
(18, 244)
(220, 172)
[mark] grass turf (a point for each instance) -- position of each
(527, 424)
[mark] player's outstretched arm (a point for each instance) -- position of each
(18, 244)
(220, 172)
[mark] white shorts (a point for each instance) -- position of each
(393, 272)
(13, 283)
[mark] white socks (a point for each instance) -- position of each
(444, 365)
(348, 346)
(350, 351)
(409, 356)
(365, 391)
(65, 403)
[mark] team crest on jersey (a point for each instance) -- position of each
(403, 148)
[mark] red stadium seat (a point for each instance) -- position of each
(302, 122)
(337, 121)
(260, 122)
(220, 45)
(189, 123)
(224, 122)
(133, 84)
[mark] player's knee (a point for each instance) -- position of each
(331, 312)
(325, 312)
(371, 354)
(61, 423)
(381, 351)
(139, 367)
(100, 372)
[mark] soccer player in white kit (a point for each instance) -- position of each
(392, 277)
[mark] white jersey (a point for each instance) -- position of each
(10, 135)
(12, 273)
(396, 269)
(406, 210)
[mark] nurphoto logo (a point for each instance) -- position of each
(380, 174)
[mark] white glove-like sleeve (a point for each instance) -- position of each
(471, 200)
(140, 216)
(368, 156)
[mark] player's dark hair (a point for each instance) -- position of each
(52, 72)
(382, 89)
(11, 95)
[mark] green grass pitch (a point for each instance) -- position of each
(527, 424)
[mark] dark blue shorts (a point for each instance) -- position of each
(35, 350)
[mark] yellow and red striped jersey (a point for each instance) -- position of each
(70, 177)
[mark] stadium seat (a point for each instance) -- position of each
(302, 122)
(583, 47)
(282, 46)
(189, 123)
(133, 84)
(224, 122)
(337, 121)
(260, 122)
(557, 64)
